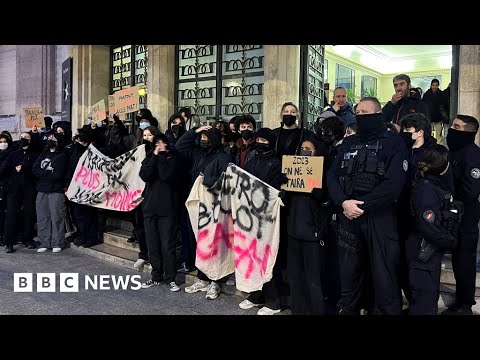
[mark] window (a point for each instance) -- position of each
(345, 77)
(220, 81)
(369, 86)
(424, 82)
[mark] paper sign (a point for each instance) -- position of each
(34, 116)
(303, 172)
(127, 100)
(98, 111)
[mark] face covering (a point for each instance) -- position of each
(407, 138)
(24, 142)
(457, 139)
(327, 139)
(289, 120)
(148, 145)
(99, 124)
(51, 144)
(144, 125)
(138, 117)
(177, 129)
(205, 144)
(3, 146)
(261, 147)
(307, 152)
(246, 134)
(370, 124)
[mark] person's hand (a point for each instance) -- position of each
(201, 128)
(18, 168)
(351, 209)
(281, 194)
(336, 107)
(159, 146)
(396, 97)
(284, 179)
(115, 117)
(34, 129)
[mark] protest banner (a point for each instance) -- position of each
(303, 172)
(34, 116)
(106, 183)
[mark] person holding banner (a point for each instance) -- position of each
(210, 160)
(160, 208)
(50, 169)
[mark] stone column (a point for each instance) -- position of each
(282, 76)
(469, 82)
(161, 82)
(91, 80)
(35, 79)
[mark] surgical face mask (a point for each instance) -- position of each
(3, 146)
(289, 120)
(99, 124)
(144, 125)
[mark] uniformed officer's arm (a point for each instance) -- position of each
(427, 208)
(335, 190)
(389, 189)
(469, 188)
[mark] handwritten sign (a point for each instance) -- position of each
(106, 183)
(111, 108)
(303, 172)
(34, 116)
(98, 111)
(127, 100)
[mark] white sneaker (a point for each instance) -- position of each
(173, 287)
(213, 291)
(42, 249)
(247, 304)
(199, 285)
(139, 263)
(267, 311)
(56, 249)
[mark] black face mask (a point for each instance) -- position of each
(370, 124)
(307, 153)
(51, 144)
(205, 144)
(148, 145)
(24, 142)
(407, 138)
(246, 134)
(261, 147)
(289, 120)
(457, 139)
(328, 139)
(178, 129)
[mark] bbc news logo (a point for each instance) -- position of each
(70, 282)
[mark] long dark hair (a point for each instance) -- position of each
(435, 161)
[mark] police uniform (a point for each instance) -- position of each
(465, 164)
(370, 166)
(432, 207)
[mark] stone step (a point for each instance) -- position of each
(118, 237)
(117, 223)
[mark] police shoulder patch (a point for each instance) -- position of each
(429, 216)
(475, 173)
(405, 165)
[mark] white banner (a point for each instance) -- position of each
(112, 184)
(237, 226)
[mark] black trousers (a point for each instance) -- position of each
(160, 236)
(86, 220)
(464, 259)
(369, 246)
(21, 215)
(424, 283)
(3, 211)
(139, 232)
(305, 269)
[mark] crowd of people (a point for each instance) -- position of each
(393, 200)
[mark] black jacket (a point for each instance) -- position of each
(4, 154)
(114, 144)
(267, 167)
(288, 142)
(435, 101)
(76, 154)
(26, 158)
(407, 105)
(160, 195)
(50, 169)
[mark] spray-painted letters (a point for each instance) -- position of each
(106, 183)
(237, 225)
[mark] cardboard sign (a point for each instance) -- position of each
(98, 111)
(34, 116)
(303, 172)
(127, 100)
(111, 105)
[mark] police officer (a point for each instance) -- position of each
(437, 219)
(465, 160)
(366, 179)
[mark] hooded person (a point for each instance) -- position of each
(176, 128)
(149, 135)
(64, 128)
(207, 158)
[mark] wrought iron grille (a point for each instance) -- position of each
(311, 85)
(220, 81)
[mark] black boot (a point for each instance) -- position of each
(9, 249)
(456, 309)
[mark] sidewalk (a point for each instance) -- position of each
(158, 300)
